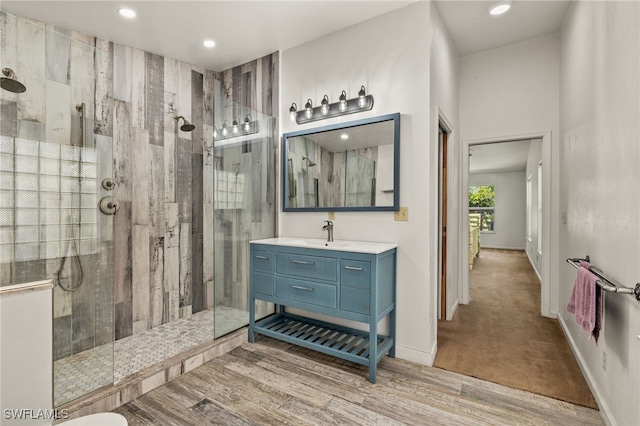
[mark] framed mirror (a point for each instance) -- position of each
(351, 166)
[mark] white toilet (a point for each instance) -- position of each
(100, 419)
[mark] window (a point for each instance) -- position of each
(482, 200)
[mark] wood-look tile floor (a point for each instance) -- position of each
(271, 382)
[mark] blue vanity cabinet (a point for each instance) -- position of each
(353, 285)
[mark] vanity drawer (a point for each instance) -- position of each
(323, 268)
(307, 292)
(263, 261)
(355, 273)
(263, 283)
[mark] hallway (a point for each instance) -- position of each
(501, 337)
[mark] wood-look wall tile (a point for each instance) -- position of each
(123, 324)
(61, 298)
(9, 47)
(122, 72)
(197, 107)
(82, 78)
(157, 215)
(172, 235)
(8, 117)
(156, 280)
(184, 96)
(103, 114)
(196, 193)
(197, 282)
(140, 156)
(170, 162)
(171, 87)
(103, 295)
(82, 310)
(58, 55)
(185, 265)
(209, 84)
(269, 86)
(62, 335)
(83, 38)
(184, 181)
(104, 45)
(31, 129)
(256, 172)
(104, 154)
(122, 151)
(32, 104)
(138, 86)
(140, 278)
(122, 249)
(171, 279)
(207, 243)
(155, 98)
(58, 122)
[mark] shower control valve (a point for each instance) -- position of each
(108, 184)
(109, 205)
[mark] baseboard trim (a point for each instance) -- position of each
(500, 248)
(605, 411)
(533, 266)
(454, 308)
(419, 357)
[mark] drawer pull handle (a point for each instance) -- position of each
(299, 287)
(353, 268)
(302, 262)
(262, 257)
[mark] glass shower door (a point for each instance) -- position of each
(243, 172)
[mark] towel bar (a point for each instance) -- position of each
(607, 283)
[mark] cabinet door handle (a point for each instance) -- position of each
(261, 257)
(302, 262)
(299, 287)
(353, 268)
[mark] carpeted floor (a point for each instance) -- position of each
(501, 336)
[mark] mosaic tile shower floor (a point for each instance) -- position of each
(79, 374)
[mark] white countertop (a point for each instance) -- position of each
(318, 243)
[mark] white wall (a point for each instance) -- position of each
(510, 92)
(445, 107)
(600, 110)
(393, 64)
(510, 209)
(533, 159)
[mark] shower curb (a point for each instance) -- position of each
(111, 397)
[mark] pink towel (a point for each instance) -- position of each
(586, 301)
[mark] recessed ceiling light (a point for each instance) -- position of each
(500, 7)
(127, 13)
(209, 43)
(344, 136)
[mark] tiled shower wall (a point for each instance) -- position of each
(162, 235)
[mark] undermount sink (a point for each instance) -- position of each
(318, 243)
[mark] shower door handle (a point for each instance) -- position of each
(109, 205)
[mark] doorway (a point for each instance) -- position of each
(443, 137)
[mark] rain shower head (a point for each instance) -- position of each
(187, 126)
(309, 162)
(10, 82)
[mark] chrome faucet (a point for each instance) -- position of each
(329, 228)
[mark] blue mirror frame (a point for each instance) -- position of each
(395, 117)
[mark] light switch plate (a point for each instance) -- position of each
(401, 215)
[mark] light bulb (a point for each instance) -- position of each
(343, 102)
(215, 132)
(235, 130)
(293, 112)
(308, 111)
(362, 101)
(225, 129)
(247, 123)
(324, 105)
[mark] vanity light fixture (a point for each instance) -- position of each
(500, 7)
(127, 13)
(248, 127)
(344, 106)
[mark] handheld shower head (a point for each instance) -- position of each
(9, 81)
(187, 126)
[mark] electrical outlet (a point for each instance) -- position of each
(604, 361)
(332, 215)
(402, 214)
